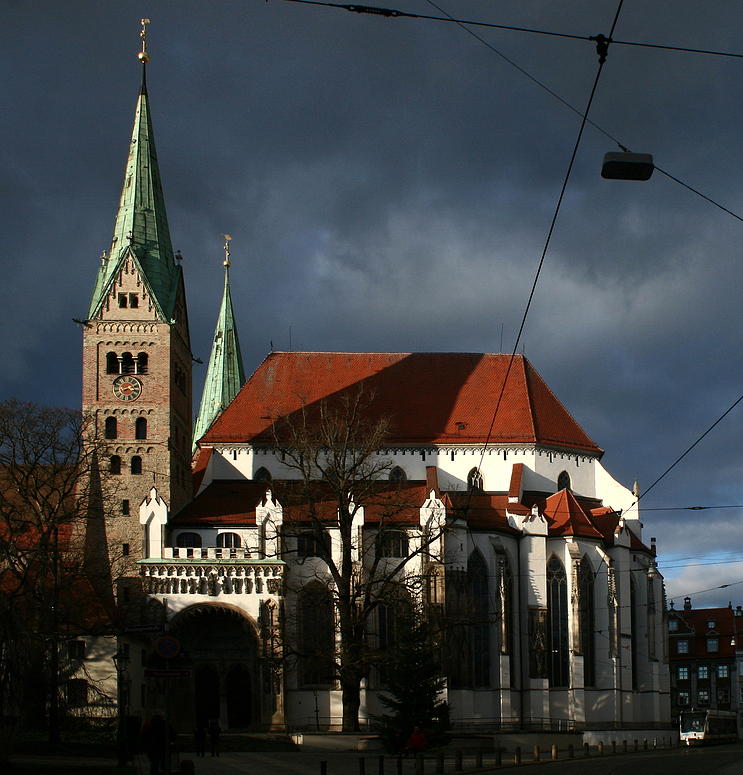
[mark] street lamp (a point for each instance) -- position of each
(121, 660)
(627, 166)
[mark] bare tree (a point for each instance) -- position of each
(337, 472)
(54, 566)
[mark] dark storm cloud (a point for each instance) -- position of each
(389, 185)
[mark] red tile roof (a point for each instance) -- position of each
(566, 516)
(430, 398)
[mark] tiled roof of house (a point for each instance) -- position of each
(566, 516)
(429, 398)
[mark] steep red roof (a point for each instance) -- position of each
(430, 398)
(566, 516)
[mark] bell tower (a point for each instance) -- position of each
(136, 347)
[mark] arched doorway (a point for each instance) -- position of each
(223, 646)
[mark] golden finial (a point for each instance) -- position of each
(227, 240)
(144, 57)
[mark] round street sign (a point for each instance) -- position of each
(168, 646)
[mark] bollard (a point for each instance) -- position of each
(571, 751)
(624, 746)
(655, 742)
(601, 747)
(554, 753)
(586, 749)
(645, 743)
(637, 745)
(478, 759)
(536, 753)
(323, 768)
(517, 755)
(613, 746)
(362, 766)
(399, 764)
(458, 760)
(498, 756)
(419, 764)
(439, 762)
(381, 765)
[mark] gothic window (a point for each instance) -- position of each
(262, 475)
(633, 630)
(393, 543)
(112, 363)
(127, 363)
(504, 581)
(142, 363)
(557, 612)
(115, 465)
(229, 541)
(316, 645)
(111, 428)
(136, 466)
(563, 481)
(477, 578)
(586, 615)
(474, 481)
(140, 428)
(398, 476)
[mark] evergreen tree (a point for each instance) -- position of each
(412, 677)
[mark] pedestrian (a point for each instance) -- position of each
(214, 732)
(416, 742)
(199, 736)
(153, 742)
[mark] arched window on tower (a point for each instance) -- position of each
(112, 363)
(115, 464)
(127, 363)
(557, 626)
(140, 428)
(316, 636)
(136, 465)
(111, 428)
(563, 481)
(474, 481)
(142, 363)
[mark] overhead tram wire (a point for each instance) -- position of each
(392, 13)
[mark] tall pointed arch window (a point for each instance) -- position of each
(474, 481)
(587, 620)
(557, 631)
(477, 579)
(316, 644)
(504, 582)
(563, 481)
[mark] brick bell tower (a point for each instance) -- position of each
(136, 350)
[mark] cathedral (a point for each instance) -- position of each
(478, 500)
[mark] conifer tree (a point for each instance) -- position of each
(413, 682)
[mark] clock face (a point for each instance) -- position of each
(127, 388)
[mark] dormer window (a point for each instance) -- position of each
(673, 625)
(711, 624)
(134, 300)
(123, 301)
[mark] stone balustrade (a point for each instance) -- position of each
(200, 577)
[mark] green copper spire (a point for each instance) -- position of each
(225, 374)
(141, 230)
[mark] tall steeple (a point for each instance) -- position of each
(136, 350)
(141, 231)
(225, 374)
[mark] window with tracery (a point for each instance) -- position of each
(563, 481)
(475, 481)
(477, 578)
(398, 476)
(587, 620)
(557, 614)
(316, 644)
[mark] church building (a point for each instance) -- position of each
(484, 504)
